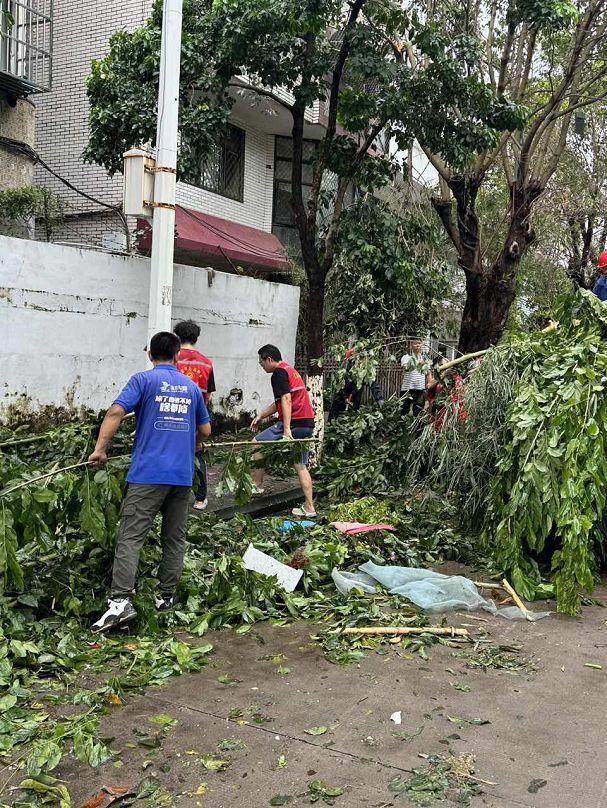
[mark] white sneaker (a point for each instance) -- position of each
(200, 505)
(163, 604)
(119, 611)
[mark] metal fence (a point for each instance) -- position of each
(389, 377)
(389, 372)
(26, 36)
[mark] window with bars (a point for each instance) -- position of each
(282, 215)
(283, 221)
(222, 172)
(25, 45)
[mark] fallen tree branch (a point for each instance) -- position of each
(442, 631)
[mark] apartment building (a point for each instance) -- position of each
(25, 71)
(232, 212)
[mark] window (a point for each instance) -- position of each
(283, 160)
(223, 170)
(283, 221)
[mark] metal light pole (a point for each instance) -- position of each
(163, 229)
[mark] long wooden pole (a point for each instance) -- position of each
(443, 631)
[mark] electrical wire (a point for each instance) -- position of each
(21, 147)
(238, 242)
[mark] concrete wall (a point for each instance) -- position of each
(73, 326)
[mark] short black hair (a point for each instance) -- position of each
(270, 352)
(164, 346)
(187, 331)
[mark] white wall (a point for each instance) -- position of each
(73, 325)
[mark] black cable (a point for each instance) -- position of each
(24, 148)
(238, 242)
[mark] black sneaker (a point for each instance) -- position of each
(164, 604)
(119, 611)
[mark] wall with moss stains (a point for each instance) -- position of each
(73, 327)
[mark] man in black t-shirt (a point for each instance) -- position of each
(295, 418)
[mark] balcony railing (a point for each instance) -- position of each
(26, 45)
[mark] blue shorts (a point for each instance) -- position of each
(276, 432)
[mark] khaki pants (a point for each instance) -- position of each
(140, 506)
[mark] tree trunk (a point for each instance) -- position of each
(490, 293)
(485, 312)
(315, 316)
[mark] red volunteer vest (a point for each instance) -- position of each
(195, 366)
(300, 400)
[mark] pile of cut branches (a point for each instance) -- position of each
(529, 462)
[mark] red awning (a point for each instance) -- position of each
(211, 236)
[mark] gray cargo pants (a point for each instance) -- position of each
(140, 506)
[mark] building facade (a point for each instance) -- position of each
(25, 71)
(243, 185)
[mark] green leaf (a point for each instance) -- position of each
(6, 702)
(214, 764)
(164, 720)
(316, 730)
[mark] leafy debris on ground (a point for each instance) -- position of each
(443, 778)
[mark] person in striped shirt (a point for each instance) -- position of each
(415, 378)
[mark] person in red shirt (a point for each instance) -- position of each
(199, 368)
(295, 419)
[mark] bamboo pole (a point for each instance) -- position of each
(552, 325)
(257, 444)
(442, 631)
(465, 358)
(5, 491)
(512, 592)
(483, 585)
(53, 473)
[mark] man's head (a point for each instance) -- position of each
(188, 332)
(416, 345)
(164, 348)
(269, 357)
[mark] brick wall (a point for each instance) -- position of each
(256, 208)
(81, 33)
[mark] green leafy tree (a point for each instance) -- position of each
(389, 276)
(295, 55)
(21, 208)
(547, 56)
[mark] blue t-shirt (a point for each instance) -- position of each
(600, 288)
(168, 407)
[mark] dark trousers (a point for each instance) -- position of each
(413, 401)
(141, 505)
(200, 484)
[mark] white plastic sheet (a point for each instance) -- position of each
(431, 591)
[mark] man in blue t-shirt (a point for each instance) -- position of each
(172, 420)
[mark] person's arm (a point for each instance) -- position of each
(211, 388)
(109, 427)
(202, 431)
(286, 403)
(263, 415)
(203, 422)
(431, 382)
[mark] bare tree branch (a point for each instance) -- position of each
(264, 92)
